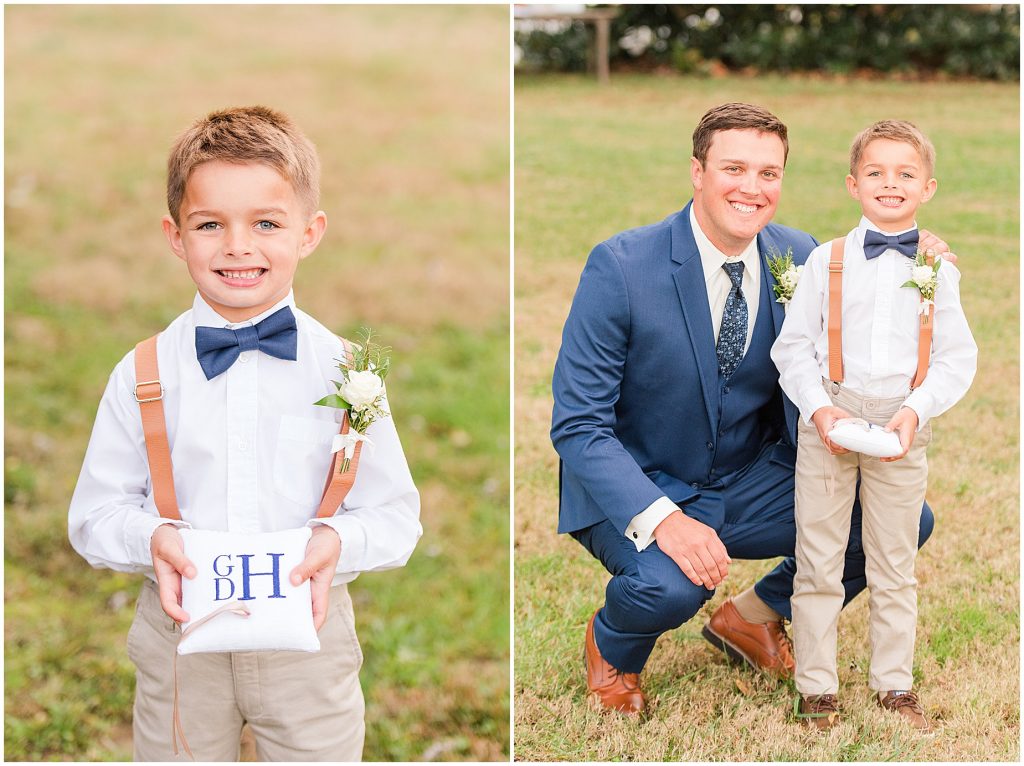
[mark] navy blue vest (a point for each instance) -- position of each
(742, 432)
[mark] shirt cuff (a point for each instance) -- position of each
(139, 535)
(814, 400)
(641, 527)
(920, 402)
(353, 541)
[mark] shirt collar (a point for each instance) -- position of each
(866, 225)
(712, 258)
(203, 315)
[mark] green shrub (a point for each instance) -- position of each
(981, 41)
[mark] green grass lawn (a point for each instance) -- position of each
(414, 146)
(593, 161)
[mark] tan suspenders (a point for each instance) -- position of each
(835, 321)
(149, 393)
(835, 311)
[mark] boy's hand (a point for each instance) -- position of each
(169, 564)
(904, 423)
(695, 548)
(824, 419)
(319, 566)
(928, 241)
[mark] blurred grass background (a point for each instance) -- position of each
(409, 109)
(593, 161)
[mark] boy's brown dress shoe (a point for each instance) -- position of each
(908, 706)
(764, 647)
(608, 687)
(821, 711)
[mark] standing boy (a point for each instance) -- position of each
(883, 369)
(250, 453)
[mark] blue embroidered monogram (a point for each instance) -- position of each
(732, 337)
(223, 569)
(250, 570)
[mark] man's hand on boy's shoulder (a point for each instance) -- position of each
(169, 564)
(928, 241)
(319, 566)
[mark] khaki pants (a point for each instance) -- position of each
(891, 495)
(300, 706)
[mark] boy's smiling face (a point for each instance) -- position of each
(242, 233)
(891, 183)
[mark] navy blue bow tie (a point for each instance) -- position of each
(217, 348)
(876, 243)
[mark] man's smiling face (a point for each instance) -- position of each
(736, 191)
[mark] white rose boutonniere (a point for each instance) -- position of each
(362, 388)
(360, 393)
(925, 279)
(785, 272)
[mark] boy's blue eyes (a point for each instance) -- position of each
(261, 225)
(878, 173)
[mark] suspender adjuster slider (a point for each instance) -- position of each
(144, 399)
(835, 266)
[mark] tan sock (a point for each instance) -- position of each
(753, 609)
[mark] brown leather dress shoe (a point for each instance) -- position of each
(819, 711)
(608, 687)
(908, 706)
(764, 647)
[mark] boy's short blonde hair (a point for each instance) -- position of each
(736, 116)
(240, 135)
(894, 130)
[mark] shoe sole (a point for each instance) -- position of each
(734, 654)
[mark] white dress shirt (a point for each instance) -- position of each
(880, 333)
(640, 530)
(249, 450)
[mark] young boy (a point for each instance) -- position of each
(250, 453)
(875, 375)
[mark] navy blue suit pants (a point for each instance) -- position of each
(753, 516)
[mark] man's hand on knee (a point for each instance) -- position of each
(695, 548)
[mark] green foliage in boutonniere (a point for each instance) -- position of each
(924, 278)
(786, 274)
(360, 391)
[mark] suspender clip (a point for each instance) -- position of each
(835, 387)
(143, 400)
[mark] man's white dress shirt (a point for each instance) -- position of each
(641, 528)
(880, 333)
(250, 453)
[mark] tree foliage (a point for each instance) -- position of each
(981, 41)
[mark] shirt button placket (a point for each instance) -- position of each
(242, 403)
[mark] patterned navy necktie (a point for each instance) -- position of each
(732, 336)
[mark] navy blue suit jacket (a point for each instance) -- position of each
(634, 385)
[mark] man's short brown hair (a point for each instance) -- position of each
(894, 130)
(240, 135)
(736, 116)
